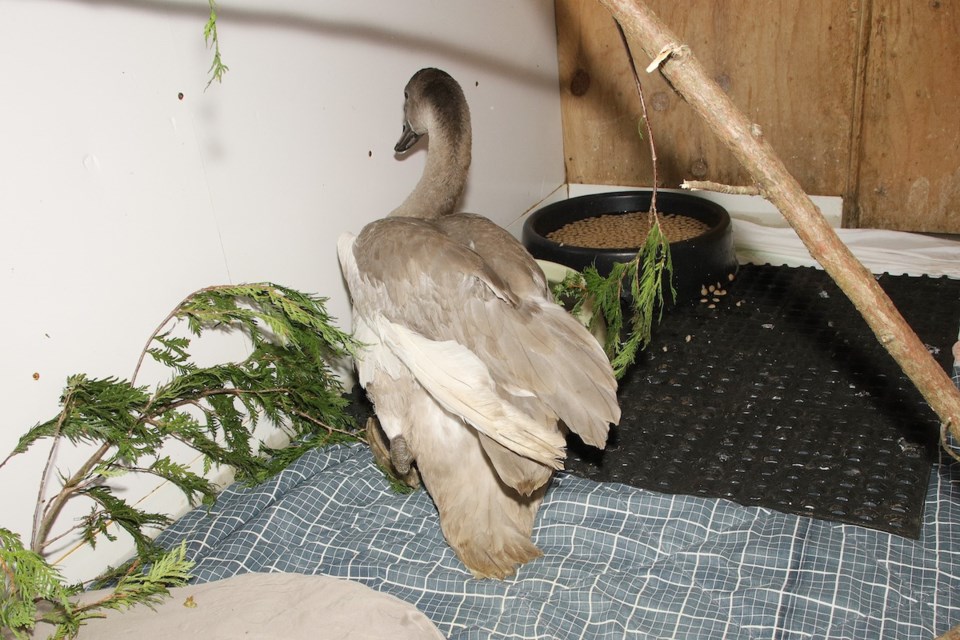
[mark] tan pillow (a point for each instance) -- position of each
(268, 605)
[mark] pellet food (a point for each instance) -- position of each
(625, 230)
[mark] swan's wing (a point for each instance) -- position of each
(407, 281)
(564, 366)
(500, 251)
(460, 383)
(418, 278)
(412, 272)
(549, 355)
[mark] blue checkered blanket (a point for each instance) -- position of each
(619, 562)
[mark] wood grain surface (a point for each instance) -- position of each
(859, 98)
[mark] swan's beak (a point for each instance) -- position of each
(408, 138)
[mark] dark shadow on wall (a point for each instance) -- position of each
(501, 65)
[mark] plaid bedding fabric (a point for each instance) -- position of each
(619, 562)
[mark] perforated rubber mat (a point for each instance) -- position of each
(780, 396)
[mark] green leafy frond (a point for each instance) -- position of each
(286, 379)
(134, 587)
(646, 281)
(644, 278)
(195, 487)
(28, 582)
(172, 353)
(294, 318)
(279, 459)
(212, 38)
(114, 510)
(95, 411)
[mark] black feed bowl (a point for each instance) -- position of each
(701, 261)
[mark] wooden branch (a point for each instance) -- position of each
(688, 78)
(706, 185)
(70, 487)
(646, 119)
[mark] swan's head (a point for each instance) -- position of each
(434, 104)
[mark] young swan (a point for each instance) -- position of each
(472, 369)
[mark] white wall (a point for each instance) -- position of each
(117, 198)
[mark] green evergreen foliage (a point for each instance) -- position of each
(27, 581)
(643, 279)
(212, 38)
(286, 379)
(36, 598)
(145, 585)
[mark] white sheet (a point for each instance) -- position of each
(893, 252)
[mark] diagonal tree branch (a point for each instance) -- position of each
(687, 76)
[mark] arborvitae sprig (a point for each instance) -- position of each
(139, 585)
(643, 278)
(212, 38)
(35, 592)
(286, 379)
(29, 585)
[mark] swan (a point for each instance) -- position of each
(473, 371)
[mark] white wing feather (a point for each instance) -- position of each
(459, 381)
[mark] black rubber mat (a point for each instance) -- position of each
(780, 396)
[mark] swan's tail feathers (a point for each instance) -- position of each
(487, 523)
(522, 474)
(460, 383)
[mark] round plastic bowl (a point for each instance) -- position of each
(706, 259)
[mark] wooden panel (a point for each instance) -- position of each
(910, 156)
(790, 68)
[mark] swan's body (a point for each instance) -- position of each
(470, 365)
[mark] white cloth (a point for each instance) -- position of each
(893, 252)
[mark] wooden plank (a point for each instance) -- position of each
(790, 68)
(910, 154)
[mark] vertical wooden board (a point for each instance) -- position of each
(910, 158)
(788, 64)
(598, 107)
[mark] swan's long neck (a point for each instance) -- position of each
(445, 174)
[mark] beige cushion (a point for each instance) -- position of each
(268, 605)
